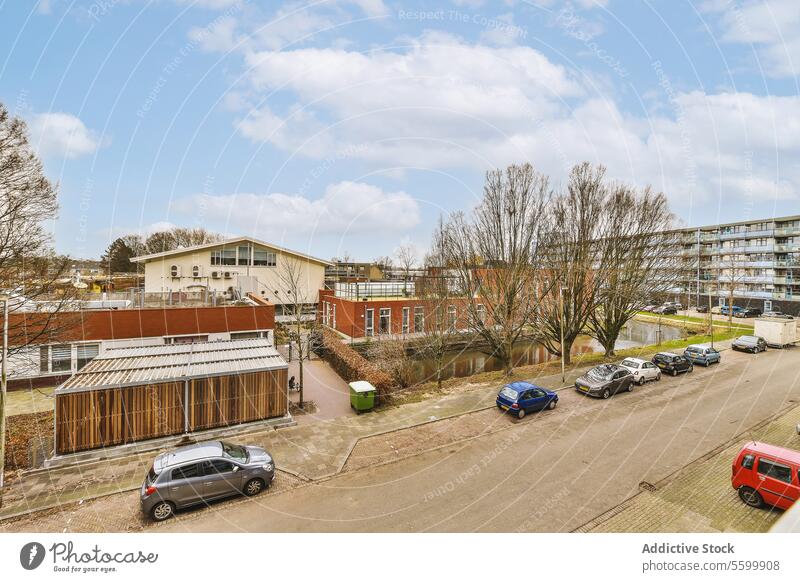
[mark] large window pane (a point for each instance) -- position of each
(62, 358)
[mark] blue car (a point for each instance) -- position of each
(735, 310)
(522, 397)
(703, 355)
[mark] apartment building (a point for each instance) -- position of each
(757, 261)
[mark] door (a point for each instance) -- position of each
(538, 399)
(220, 478)
(369, 322)
(776, 483)
(619, 382)
(649, 370)
(186, 485)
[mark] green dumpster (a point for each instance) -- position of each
(362, 396)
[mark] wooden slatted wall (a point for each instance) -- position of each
(113, 416)
(230, 400)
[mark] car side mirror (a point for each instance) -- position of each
(235, 468)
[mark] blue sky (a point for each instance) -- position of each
(349, 125)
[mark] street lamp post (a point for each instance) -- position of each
(3, 387)
(561, 327)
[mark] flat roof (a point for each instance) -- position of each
(174, 362)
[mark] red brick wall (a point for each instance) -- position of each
(350, 315)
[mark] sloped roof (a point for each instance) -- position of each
(174, 362)
(228, 242)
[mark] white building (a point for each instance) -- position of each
(239, 265)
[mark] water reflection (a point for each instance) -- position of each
(460, 364)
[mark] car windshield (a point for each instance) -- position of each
(600, 373)
(630, 364)
(237, 452)
(509, 393)
(748, 339)
(693, 350)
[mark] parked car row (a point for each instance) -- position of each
(668, 308)
(736, 311)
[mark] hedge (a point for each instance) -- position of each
(352, 366)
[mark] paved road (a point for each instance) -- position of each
(550, 472)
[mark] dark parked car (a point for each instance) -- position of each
(604, 380)
(702, 309)
(777, 315)
(666, 310)
(748, 312)
(749, 343)
(203, 472)
(735, 310)
(670, 363)
(522, 397)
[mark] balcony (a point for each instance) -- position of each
(787, 231)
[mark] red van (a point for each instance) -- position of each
(767, 475)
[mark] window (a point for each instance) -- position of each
(44, 359)
(406, 314)
(86, 353)
(452, 317)
(419, 319)
(217, 466)
(481, 310)
(62, 358)
(186, 472)
(747, 461)
(369, 322)
(333, 316)
(264, 259)
(775, 470)
(385, 325)
(186, 339)
(240, 335)
(244, 256)
(223, 257)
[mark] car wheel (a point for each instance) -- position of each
(674, 372)
(551, 405)
(630, 387)
(642, 381)
(751, 497)
(691, 369)
(658, 377)
(162, 511)
(521, 413)
(606, 393)
(253, 487)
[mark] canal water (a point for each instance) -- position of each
(466, 362)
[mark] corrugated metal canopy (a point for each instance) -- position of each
(154, 364)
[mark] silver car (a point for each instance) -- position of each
(204, 472)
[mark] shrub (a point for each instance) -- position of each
(352, 366)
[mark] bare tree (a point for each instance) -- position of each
(494, 254)
(435, 291)
(637, 256)
(296, 300)
(570, 252)
(189, 237)
(406, 259)
(391, 355)
(30, 272)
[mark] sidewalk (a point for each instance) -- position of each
(310, 451)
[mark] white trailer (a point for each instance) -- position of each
(778, 333)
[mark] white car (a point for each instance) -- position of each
(642, 370)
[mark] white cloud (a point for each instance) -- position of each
(770, 26)
(219, 36)
(443, 103)
(345, 207)
(61, 134)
